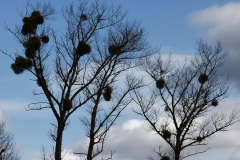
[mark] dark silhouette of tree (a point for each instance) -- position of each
(185, 93)
(97, 48)
(7, 145)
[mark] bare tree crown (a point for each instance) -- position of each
(186, 93)
(97, 47)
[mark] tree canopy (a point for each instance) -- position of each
(184, 94)
(97, 47)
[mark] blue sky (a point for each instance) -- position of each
(173, 25)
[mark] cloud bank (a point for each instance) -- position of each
(132, 140)
(223, 23)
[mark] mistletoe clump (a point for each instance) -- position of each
(114, 50)
(166, 109)
(16, 68)
(33, 43)
(21, 64)
(38, 17)
(166, 134)
(202, 78)
(30, 23)
(199, 139)
(45, 39)
(83, 48)
(30, 53)
(160, 83)
(29, 28)
(84, 17)
(67, 104)
(214, 103)
(107, 93)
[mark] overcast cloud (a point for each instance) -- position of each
(223, 23)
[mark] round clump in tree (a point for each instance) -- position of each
(214, 103)
(35, 13)
(107, 94)
(165, 158)
(16, 68)
(166, 109)
(84, 17)
(38, 17)
(160, 83)
(45, 39)
(202, 78)
(28, 20)
(166, 134)
(33, 43)
(30, 23)
(67, 104)
(30, 53)
(114, 50)
(23, 62)
(28, 28)
(83, 48)
(199, 139)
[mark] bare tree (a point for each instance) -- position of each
(7, 146)
(186, 93)
(97, 48)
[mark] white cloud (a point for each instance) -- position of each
(222, 23)
(217, 14)
(132, 124)
(68, 155)
(80, 146)
(131, 140)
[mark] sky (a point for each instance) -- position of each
(174, 26)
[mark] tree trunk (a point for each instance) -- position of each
(178, 146)
(90, 148)
(91, 143)
(177, 152)
(177, 155)
(58, 147)
(92, 134)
